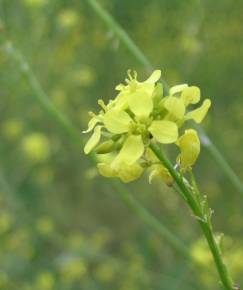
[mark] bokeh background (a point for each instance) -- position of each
(63, 227)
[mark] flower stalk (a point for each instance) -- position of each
(199, 207)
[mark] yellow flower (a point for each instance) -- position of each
(137, 95)
(141, 114)
(36, 147)
(124, 164)
(181, 96)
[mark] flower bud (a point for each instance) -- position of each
(106, 147)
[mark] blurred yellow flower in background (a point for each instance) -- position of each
(45, 225)
(36, 147)
(73, 269)
(6, 221)
(68, 18)
(12, 128)
(45, 281)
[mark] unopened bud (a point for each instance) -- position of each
(106, 147)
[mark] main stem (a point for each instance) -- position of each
(203, 222)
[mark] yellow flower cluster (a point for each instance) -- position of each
(140, 114)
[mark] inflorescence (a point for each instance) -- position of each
(140, 114)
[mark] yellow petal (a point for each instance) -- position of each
(175, 107)
(189, 144)
(155, 76)
(198, 114)
(120, 103)
(191, 95)
(128, 173)
(93, 121)
(140, 102)
(93, 140)
(164, 132)
(131, 151)
(106, 170)
(177, 89)
(161, 172)
(116, 121)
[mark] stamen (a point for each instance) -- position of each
(129, 73)
(102, 104)
(135, 75)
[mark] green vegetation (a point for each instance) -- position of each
(62, 226)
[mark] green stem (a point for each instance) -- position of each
(120, 33)
(124, 37)
(143, 213)
(202, 220)
(139, 55)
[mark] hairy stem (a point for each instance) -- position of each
(203, 220)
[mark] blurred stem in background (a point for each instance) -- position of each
(5, 187)
(139, 55)
(202, 212)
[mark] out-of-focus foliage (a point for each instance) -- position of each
(61, 225)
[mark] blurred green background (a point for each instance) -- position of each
(63, 227)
